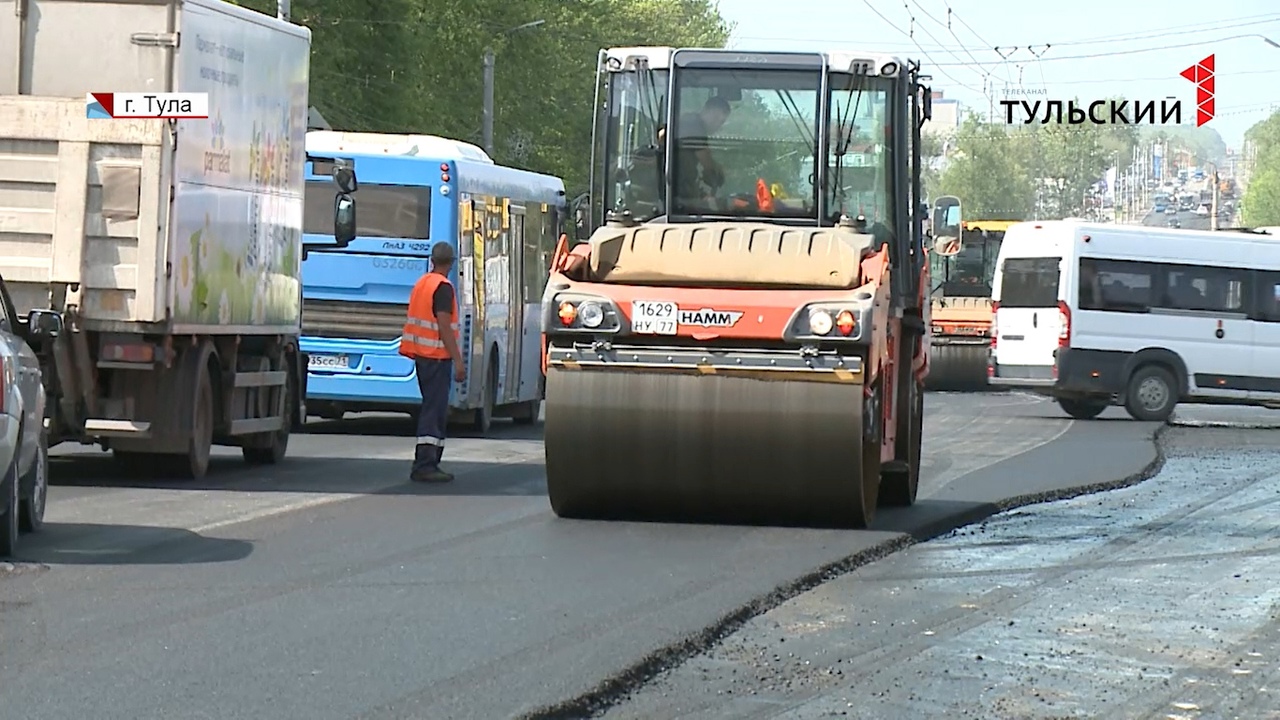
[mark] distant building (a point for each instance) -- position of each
(947, 114)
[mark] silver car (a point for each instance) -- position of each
(24, 447)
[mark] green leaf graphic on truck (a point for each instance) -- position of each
(226, 286)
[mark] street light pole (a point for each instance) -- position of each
(488, 111)
(488, 101)
(1213, 210)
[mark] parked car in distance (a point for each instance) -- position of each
(24, 448)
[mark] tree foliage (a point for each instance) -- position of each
(1261, 205)
(416, 66)
(990, 170)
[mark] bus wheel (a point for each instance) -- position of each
(526, 413)
(484, 414)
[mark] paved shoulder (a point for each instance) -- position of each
(1156, 600)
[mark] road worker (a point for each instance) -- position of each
(430, 339)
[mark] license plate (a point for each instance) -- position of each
(653, 317)
(328, 362)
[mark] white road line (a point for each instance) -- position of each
(307, 504)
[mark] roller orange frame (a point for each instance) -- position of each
(765, 316)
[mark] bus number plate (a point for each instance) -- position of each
(328, 362)
(650, 317)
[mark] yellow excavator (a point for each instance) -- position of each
(962, 267)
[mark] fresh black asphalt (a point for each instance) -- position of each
(377, 599)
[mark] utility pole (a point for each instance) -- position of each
(488, 101)
(487, 118)
(282, 9)
(1213, 208)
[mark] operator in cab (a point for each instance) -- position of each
(697, 166)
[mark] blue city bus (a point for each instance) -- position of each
(415, 191)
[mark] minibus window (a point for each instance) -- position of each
(1029, 283)
(1116, 285)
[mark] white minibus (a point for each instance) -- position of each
(1145, 317)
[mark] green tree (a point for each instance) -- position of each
(1261, 203)
(1117, 140)
(415, 66)
(931, 160)
(1072, 160)
(988, 172)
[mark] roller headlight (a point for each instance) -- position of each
(590, 314)
(820, 322)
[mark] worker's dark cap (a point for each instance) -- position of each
(442, 252)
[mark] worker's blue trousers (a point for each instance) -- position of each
(434, 380)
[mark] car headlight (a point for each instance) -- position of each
(590, 314)
(820, 322)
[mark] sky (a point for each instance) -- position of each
(1090, 49)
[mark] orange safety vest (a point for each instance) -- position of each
(421, 337)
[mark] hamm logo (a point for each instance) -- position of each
(707, 317)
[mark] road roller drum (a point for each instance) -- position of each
(704, 444)
(959, 367)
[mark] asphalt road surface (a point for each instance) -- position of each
(1158, 600)
(1188, 220)
(329, 587)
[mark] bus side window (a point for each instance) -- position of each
(535, 276)
(549, 236)
(1267, 296)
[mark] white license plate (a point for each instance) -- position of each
(654, 317)
(327, 362)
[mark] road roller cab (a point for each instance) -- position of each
(740, 335)
(961, 310)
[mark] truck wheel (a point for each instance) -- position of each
(1152, 394)
(36, 485)
(9, 506)
(275, 452)
(1082, 408)
(194, 464)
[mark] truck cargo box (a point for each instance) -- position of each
(189, 226)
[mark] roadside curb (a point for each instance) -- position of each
(618, 688)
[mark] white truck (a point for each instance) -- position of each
(159, 260)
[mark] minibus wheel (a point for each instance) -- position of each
(1082, 408)
(1152, 394)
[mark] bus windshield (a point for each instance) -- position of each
(386, 211)
(742, 139)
